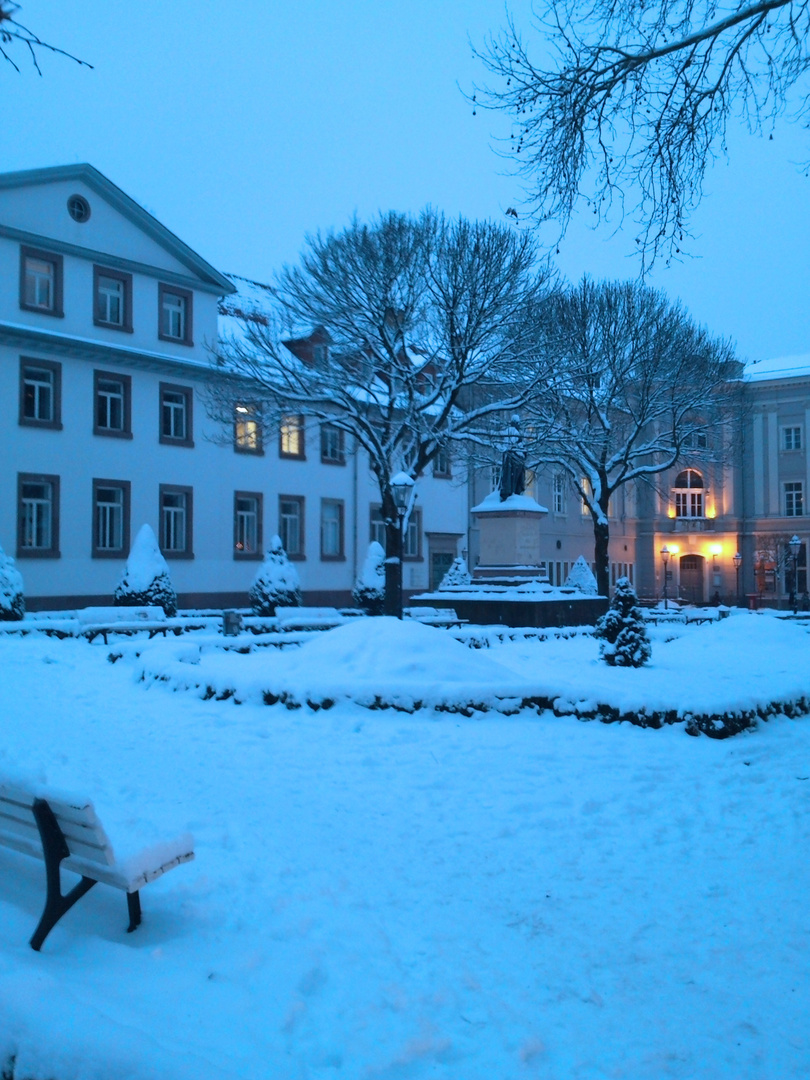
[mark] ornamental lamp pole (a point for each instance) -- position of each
(402, 487)
(795, 545)
(665, 553)
(737, 565)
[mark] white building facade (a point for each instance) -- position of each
(107, 323)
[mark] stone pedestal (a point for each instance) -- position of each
(510, 538)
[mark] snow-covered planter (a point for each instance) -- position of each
(457, 575)
(146, 581)
(12, 597)
(369, 589)
(276, 582)
(621, 630)
(581, 578)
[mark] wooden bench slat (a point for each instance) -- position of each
(91, 834)
(80, 811)
(91, 851)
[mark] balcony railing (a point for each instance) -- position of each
(692, 524)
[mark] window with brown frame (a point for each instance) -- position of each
(333, 450)
(175, 314)
(332, 530)
(175, 513)
(37, 516)
(176, 415)
(40, 393)
(247, 525)
(112, 404)
(110, 519)
(112, 299)
(291, 437)
(41, 282)
(291, 525)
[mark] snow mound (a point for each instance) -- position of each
(581, 578)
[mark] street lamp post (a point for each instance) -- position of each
(795, 544)
(402, 487)
(737, 564)
(665, 553)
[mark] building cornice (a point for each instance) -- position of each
(18, 336)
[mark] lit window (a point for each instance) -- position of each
(688, 490)
(794, 499)
(291, 437)
(247, 431)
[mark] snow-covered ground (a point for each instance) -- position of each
(382, 896)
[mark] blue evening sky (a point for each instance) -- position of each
(244, 124)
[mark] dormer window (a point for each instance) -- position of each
(689, 491)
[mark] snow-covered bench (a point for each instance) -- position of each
(432, 616)
(65, 832)
(308, 618)
(121, 620)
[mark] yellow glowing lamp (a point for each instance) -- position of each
(674, 549)
(716, 549)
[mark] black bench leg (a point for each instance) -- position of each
(134, 909)
(54, 849)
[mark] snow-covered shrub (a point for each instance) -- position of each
(623, 634)
(457, 575)
(369, 589)
(276, 582)
(146, 581)
(581, 578)
(12, 598)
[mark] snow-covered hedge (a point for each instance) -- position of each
(369, 589)
(457, 574)
(581, 578)
(276, 582)
(12, 596)
(622, 631)
(146, 581)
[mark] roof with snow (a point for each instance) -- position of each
(781, 367)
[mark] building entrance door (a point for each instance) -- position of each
(440, 563)
(692, 575)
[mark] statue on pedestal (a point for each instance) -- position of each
(513, 463)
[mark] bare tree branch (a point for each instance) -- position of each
(13, 33)
(631, 101)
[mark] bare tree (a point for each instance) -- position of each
(631, 99)
(13, 33)
(423, 336)
(633, 383)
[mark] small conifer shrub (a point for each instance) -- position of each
(457, 575)
(276, 583)
(369, 589)
(623, 640)
(12, 596)
(146, 581)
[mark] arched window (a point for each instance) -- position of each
(688, 490)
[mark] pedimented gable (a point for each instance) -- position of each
(116, 225)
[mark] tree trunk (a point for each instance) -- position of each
(393, 557)
(601, 541)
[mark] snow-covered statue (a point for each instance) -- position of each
(457, 575)
(276, 582)
(581, 578)
(513, 462)
(369, 589)
(146, 581)
(12, 597)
